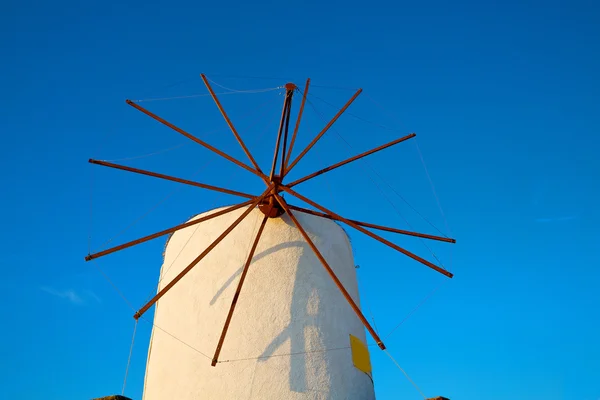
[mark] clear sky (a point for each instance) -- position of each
(504, 98)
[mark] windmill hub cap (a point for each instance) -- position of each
(269, 206)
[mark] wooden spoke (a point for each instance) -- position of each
(337, 282)
(349, 160)
(282, 123)
(238, 291)
(187, 269)
(171, 178)
(235, 133)
(166, 231)
(367, 232)
(373, 226)
(195, 139)
(316, 139)
(289, 153)
(285, 135)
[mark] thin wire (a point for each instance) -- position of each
(191, 96)
(205, 95)
(142, 317)
(113, 285)
(448, 230)
(405, 374)
(281, 80)
(160, 202)
(285, 355)
(334, 87)
(330, 189)
(402, 216)
(244, 359)
(368, 307)
(108, 135)
(354, 115)
(382, 108)
(205, 355)
(424, 165)
(382, 192)
(327, 181)
(437, 199)
(253, 111)
(414, 209)
(212, 207)
(415, 309)
(390, 186)
(150, 154)
(170, 85)
(155, 206)
(249, 77)
(237, 90)
(129, 358)
(176, 338)
(163, 274)
(373, 319)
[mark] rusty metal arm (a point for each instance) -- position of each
(166, 231)
(369, 233)
(349, 160)
(238, 291)
(195, 139)
(373, 226)
(235, 133)
(171, 178)
(316, 139)
(335, 279)
(289, 153)
(187, 269)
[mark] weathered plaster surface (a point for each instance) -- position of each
(288, 305)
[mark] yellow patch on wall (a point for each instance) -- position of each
(360, 354)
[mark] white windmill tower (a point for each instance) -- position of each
(260, 282)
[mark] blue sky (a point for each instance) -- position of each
(502, 95)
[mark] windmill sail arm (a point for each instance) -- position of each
(237, 292)
(369, 233)
(187, 269)
(332, 274)
(329, 124)
(171, 178)
(166, 231)
(195, 139)
(373, 226)
(293, 140)
(285, 137)
(282, 124)
(230, 124)
(351, 159)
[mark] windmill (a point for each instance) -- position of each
(271, 205)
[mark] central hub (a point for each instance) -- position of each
(270, 206)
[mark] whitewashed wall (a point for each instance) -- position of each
(288, 305)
